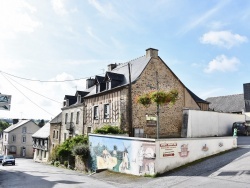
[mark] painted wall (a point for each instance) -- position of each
(172, 153)
(140, 156)
(122, 154)
(207, 123)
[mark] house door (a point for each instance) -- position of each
(23, 151)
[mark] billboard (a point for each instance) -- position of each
(5, 101)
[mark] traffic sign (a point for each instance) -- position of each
(5, 101)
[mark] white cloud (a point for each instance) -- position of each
(17, 16)
(223, 64)
(224, 39)
(105, 9)
(59, 7)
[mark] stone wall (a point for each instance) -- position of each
(170, 117)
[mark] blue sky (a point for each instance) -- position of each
(204, 43)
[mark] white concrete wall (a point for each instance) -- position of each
(208, 123)
(169, 153)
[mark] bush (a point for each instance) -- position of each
(66, 164)
(81, 150)
(56, 163)
(109, 129)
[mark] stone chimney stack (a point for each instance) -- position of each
(112, 66)
(151, 52)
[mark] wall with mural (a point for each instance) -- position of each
(123, 154)
(140, 156)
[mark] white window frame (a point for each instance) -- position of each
(77, 117)
(24, 130)
(96, 112)
(106, 111)
(24, 139)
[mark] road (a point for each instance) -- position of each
(231, 169)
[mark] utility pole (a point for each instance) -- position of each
(130, 122)
(158, 108)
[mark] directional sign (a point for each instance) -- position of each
(5, 101)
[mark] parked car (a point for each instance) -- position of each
(1, 158)
(242, 128)
(8, 159)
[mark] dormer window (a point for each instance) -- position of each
(97, 88)
(108, 83)
(79, 99)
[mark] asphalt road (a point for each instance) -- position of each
(231, 169)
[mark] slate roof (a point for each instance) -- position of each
(229, 103)
(43, 132)
(137, 67)
(14, 126)
(72, 99)
(57, 119)
(114, 76)
(100, 79)
(196, 98)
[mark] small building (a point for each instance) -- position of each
(41, 143)
(55, 131)
(17, 139)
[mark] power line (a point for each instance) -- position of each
(34, 91)
(48, 80)
(26, 96)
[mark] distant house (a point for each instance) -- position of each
(41, 143)
(17, 139)
(55, 131)
(228, 104)
(72, 116)
(112, 99)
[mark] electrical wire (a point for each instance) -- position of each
(33, 91)
(26, 96)
(48, 80)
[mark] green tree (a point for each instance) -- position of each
(3, 125)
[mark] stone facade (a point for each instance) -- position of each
(170, 117)
(55, 131)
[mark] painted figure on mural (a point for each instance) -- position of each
(140, 157)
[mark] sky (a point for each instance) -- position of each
(49, 47)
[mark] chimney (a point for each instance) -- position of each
(15, 121)
(112, 66)
(90, 82)
(247, 96)
(151, 52)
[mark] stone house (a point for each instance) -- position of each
(17, 140)
(55, 131)
(41, 143)
(72, 116)
(112, 98)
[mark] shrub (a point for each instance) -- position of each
(81, 150)
(66, 164)
(108, 129)
(56, 163)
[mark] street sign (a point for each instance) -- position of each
(5, 101)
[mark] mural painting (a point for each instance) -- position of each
(205, 148)
(184, 150)
(121, 155)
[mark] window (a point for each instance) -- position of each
(54, 132)
(77, 117)
(13, 138)
(95, 112)
(37, 153)
(71, 117)
(79, 98)
(24, 130)
(44, 154)
(24, 139)
(106, 111)
(108, 85)
(89, 130)
(12, 150)
(57, 133)
(97, 88)
(66, 118)
(139, 132)
(65, 136)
